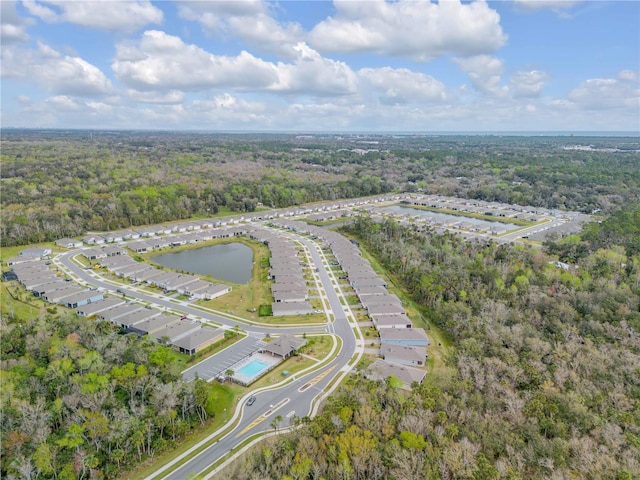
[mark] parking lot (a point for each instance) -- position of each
(217, 364)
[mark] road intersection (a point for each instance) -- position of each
(302, 391)
(280, 404)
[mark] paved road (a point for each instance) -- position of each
(163, 301)
(296, 398)
(260, 415)
(292, 400)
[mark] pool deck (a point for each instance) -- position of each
(270, 361)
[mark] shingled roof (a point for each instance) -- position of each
(284, 345)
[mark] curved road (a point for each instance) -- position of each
(295, 399)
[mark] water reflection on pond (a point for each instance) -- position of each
(446, 217)
(230, 262)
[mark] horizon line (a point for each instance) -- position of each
(604, 133)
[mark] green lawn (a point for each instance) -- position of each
(17, 302)
(292, 364)
(318, 346)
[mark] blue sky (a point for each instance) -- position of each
(348, 65)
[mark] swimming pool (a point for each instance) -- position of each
(253, 368)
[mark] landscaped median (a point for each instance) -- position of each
(320, 357)
(259, 436)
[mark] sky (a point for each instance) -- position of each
(321, 66)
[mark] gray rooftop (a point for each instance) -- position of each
(152, 325)
(138, 316)
(284, 345)
(403, 334)
(198, 338)
(381, 369)
(382, 321)
(393, 309)
(99, 306)
(177, 330)
(403, 352)
(119, 311)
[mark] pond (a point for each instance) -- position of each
(231, 262)
(445, 217)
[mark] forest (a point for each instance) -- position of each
(64, 183)
(542, 379)
(79, 400)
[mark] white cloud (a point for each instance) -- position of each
(58, 74)
(251, 20)
(527, 84)
(128, 16)
(12, 27)
(629, 76)
(417, 29)
(402, 86)
(162, 61)
(225, 111)
(64, 102)
(608, 93)
(314, 75)
(485, 73)
(170, 97)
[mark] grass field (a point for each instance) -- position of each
(15, 301)
(318, 346)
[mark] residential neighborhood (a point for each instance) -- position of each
(291, 291)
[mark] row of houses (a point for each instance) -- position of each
(31, 254)
(403, 348)
(121, 264)
(400, 342)
(36, 277)
(180, 333)
(146, 232)
(340, 208)
(330, 215)
(434, 220)
(289, 288)
(495, 209)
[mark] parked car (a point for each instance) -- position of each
(251, 401)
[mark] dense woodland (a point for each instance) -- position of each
(79, 400)
(64, 183)
(543, 382)
(542, 379)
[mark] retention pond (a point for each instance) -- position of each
(231, 262)
(445, 217)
